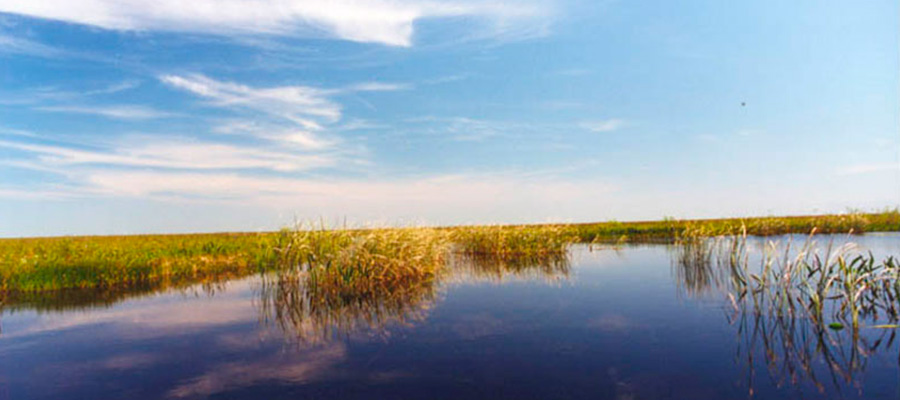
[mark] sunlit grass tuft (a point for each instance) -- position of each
(513, 241)
(346, 263)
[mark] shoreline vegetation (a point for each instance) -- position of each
(356, 263)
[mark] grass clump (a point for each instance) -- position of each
(506, 242)
(338, 281)
(360, 263)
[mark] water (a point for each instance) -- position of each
(614, 324)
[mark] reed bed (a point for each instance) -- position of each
(669, 230)
(102, 262)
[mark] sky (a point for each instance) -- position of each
(131, 116)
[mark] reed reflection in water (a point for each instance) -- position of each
(314, 316)
(549, 268)
(791, 304)
(289, 301)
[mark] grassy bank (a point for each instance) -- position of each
(107, 261)
(670, 229)
(352, 261)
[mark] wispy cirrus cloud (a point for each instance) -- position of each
(369, 21)
(126, 111)
(18, 45)
(16, 132)
(472, 197)
(573, 72)
(114, 88)
(461, 129)
(300, 104)
(868, 168)
(502, 194)
(608, 125)
(174, 155)
(377, 87)
(292, 136)
(50, 96)
(295, 115)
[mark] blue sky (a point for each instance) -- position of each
(172, 116)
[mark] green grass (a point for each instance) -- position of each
(353, 261)
(668, 230)
(81, 262)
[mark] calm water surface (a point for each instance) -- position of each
(613, 324)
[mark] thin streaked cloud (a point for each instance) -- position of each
(868, 168)
(125, 112)
(301, 104)
(18, 45)
(378, 87)
(174, 155)
(608, 125)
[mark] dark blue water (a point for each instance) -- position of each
(614, 324)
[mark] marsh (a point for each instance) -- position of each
(618, 322)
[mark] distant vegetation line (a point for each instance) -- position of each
(353, 262)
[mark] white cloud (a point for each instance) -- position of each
(464, 129)
(301, 112)
(56, 99)
(306, 110)
(446, 79)
(300, 104)
(748, 132)
(37, 194)
(128, 112)
(175, 154)
(292, 136)
(16, 45)
(16, 132)
(868, 168)
(114, 88)
(609, 125)
(465, 198)
(389, 22)
(480, 198)
(573, 72)
(378, 87)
